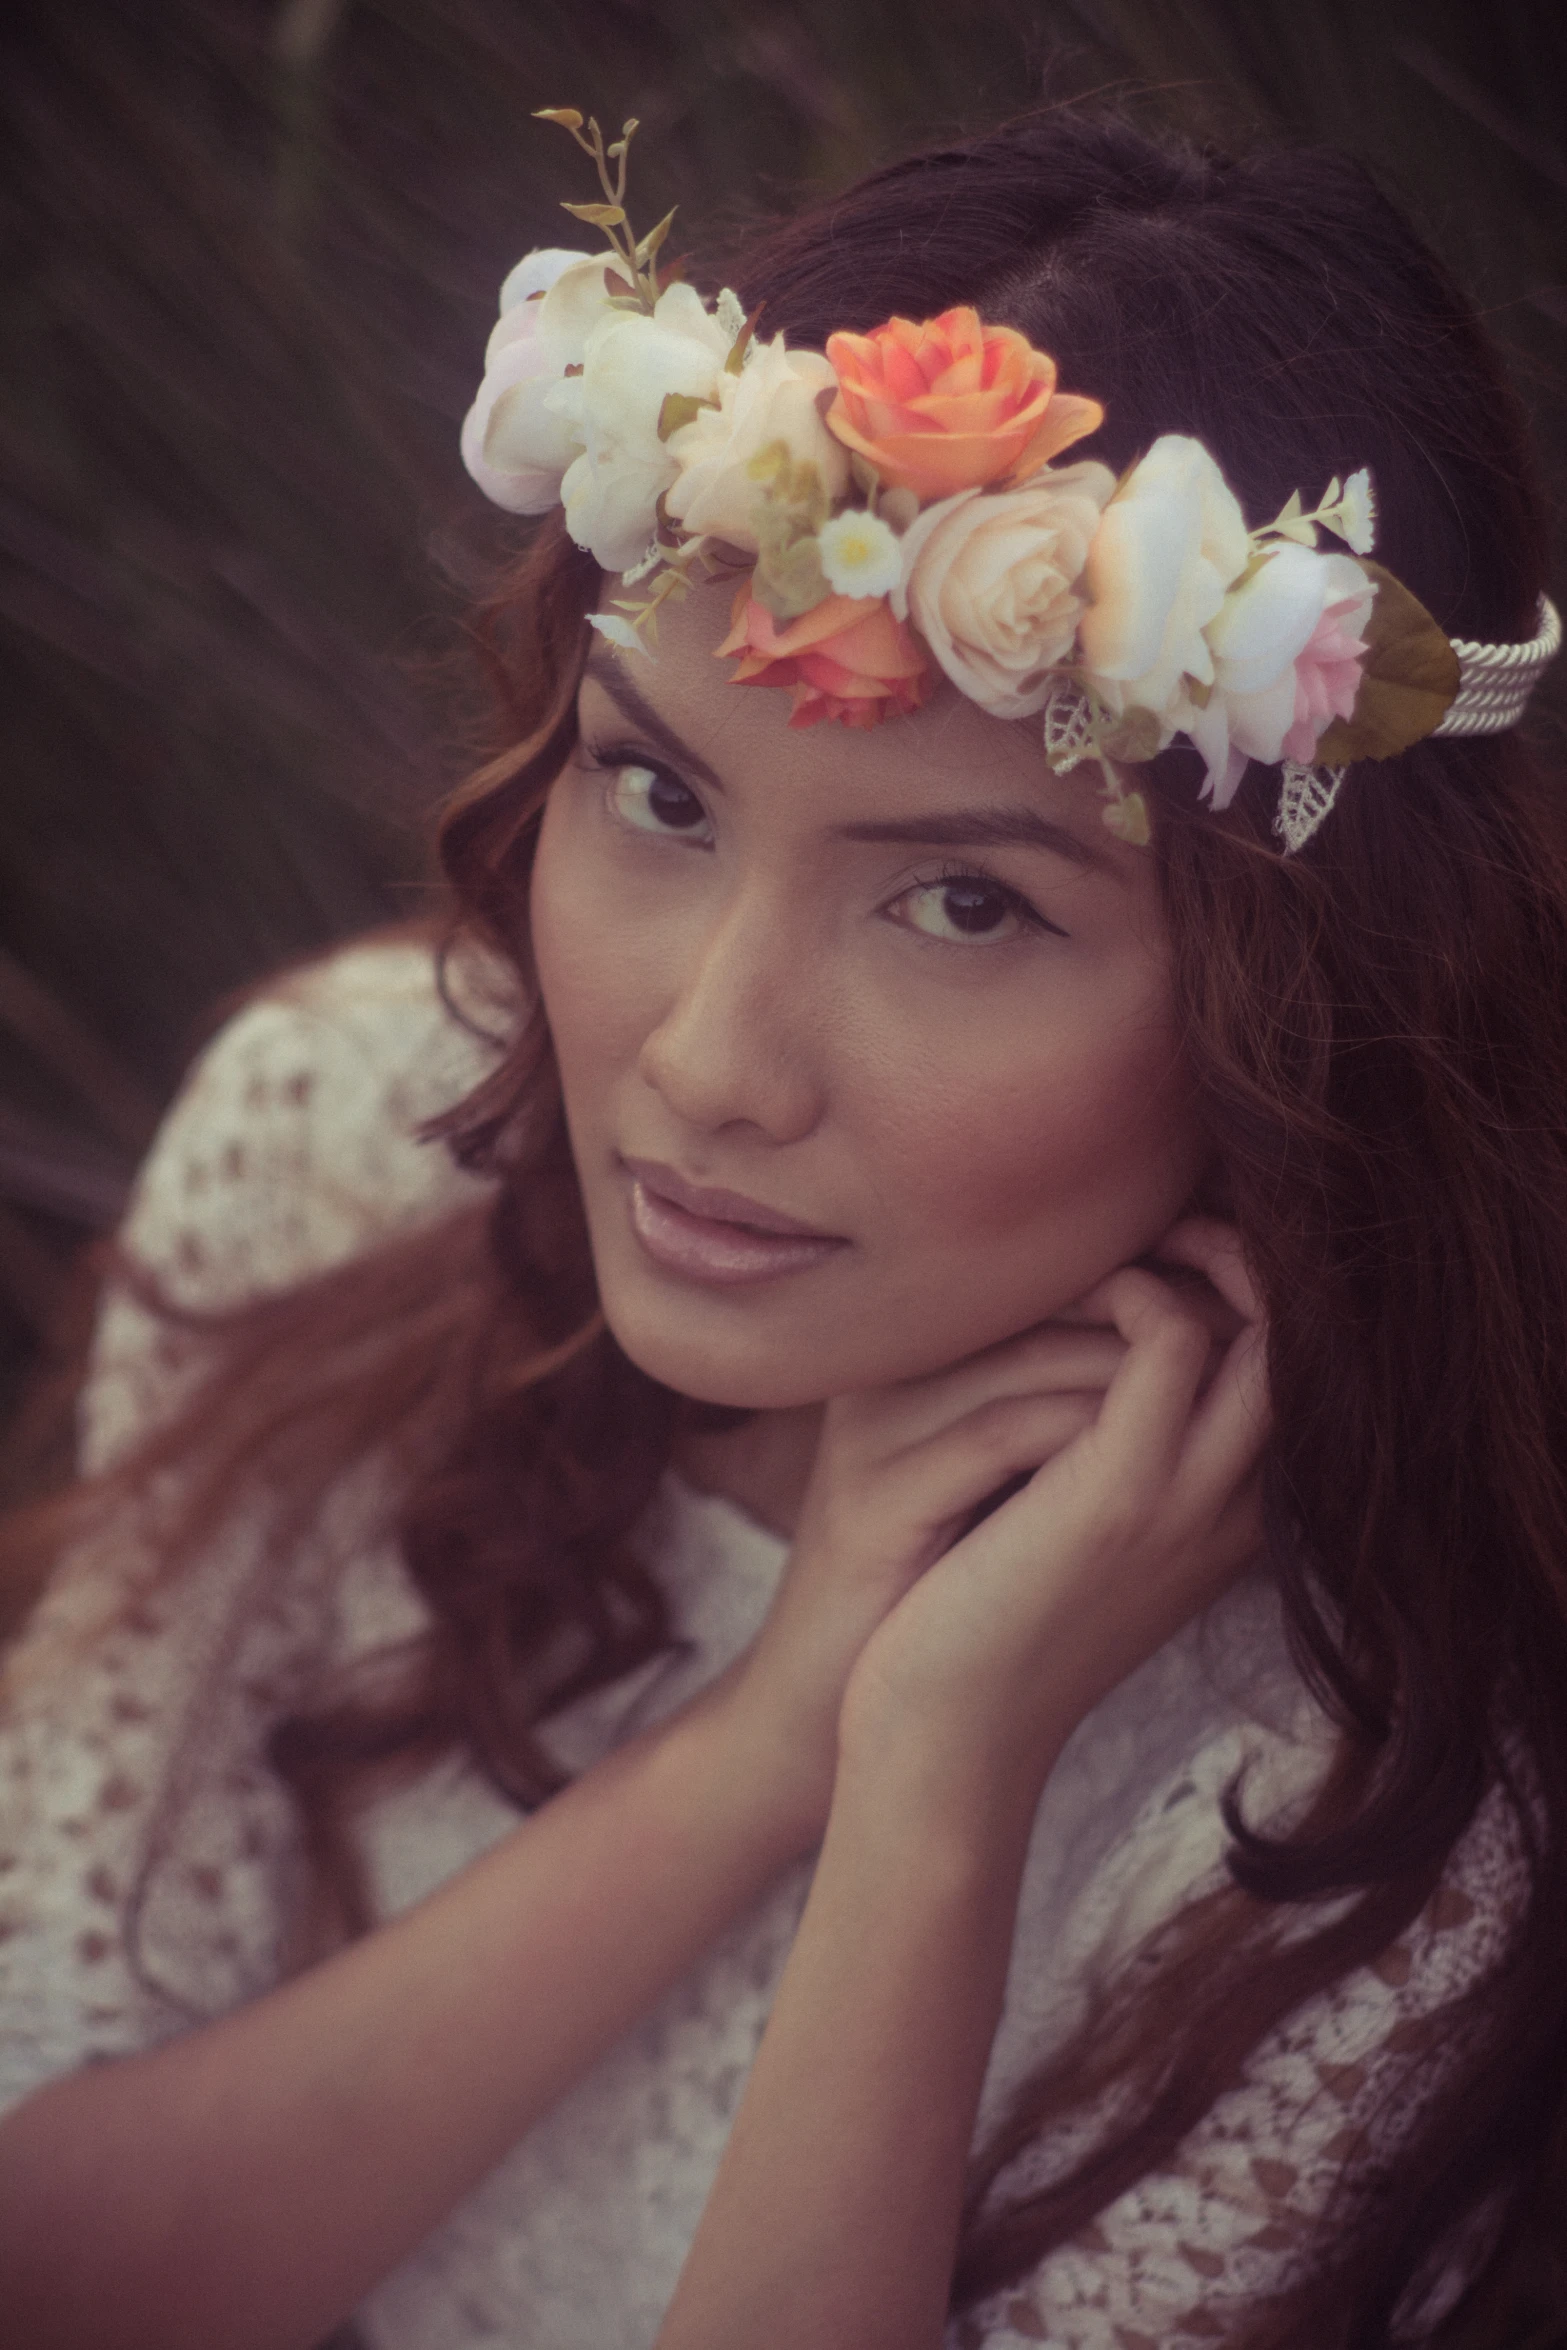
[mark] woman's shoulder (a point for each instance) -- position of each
(294, 1144)
(295, 1139)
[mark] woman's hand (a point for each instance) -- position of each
(835, 2212)
(1122, 1534)
(1136, 1423)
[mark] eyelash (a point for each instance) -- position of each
(610, 759)
(1024, 908)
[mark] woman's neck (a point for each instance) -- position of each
(764, 1465)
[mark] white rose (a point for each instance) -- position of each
(772, 399)
(1257, 637)
(630, 365)
(1172, 539)
(514, 448)
(991, 581)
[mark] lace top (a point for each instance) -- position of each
(149, 1862)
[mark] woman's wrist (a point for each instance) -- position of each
(969, 1764)
(770, 1754)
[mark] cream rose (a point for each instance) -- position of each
(630, 365)
(514, 448)
(991, 581)
(773, 399)
(1172, 540)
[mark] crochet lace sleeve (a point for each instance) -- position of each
(1185, 2257)
(145, 1848)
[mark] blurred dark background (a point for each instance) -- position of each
(251, 252)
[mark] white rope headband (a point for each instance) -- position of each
(1495, 682)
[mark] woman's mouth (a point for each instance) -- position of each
(721, 1237)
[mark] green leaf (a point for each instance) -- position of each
(679, 409)
(864, 476)
(597, 215)
(1133, 738)
(740, 345)
(789, 580)
(655, 237)
(1409, 680)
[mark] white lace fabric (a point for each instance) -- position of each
(150, 1868)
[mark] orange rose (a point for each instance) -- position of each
(951, 405)
(847, 658)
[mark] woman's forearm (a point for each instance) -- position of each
(833, 2221)
(247, 2183)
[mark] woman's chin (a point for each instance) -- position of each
(742, 1379)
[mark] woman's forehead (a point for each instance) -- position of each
(948, 754)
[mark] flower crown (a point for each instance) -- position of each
(896, 507)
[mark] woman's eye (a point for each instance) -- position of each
(967, 908)
(653, 800)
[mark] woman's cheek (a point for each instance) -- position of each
(578, 944)
(1105, 1133)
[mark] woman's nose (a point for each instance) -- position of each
(737, 1041)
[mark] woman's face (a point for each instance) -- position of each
(898, 998)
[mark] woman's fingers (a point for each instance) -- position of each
(1046, 1361)
(1231, 1423)
(1148, 1405)
(1215, 1250)
(943, 1480)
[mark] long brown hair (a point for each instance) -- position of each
(1377, 1033)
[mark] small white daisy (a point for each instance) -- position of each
(860, 556)
(1358, 512)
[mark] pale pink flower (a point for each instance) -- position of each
(1252, 708)
(1328, 671)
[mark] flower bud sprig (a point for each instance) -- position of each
(1350, 512)
(638, 257)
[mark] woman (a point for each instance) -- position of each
(988, 1391)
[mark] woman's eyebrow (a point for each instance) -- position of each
(990, 828)
(606, 673)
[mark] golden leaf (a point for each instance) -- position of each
(1410, 679)
(567, 116)
(597, 215)
(1127, 818)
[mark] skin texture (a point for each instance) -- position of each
(990, 1122)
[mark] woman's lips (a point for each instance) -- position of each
(718, 1236)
